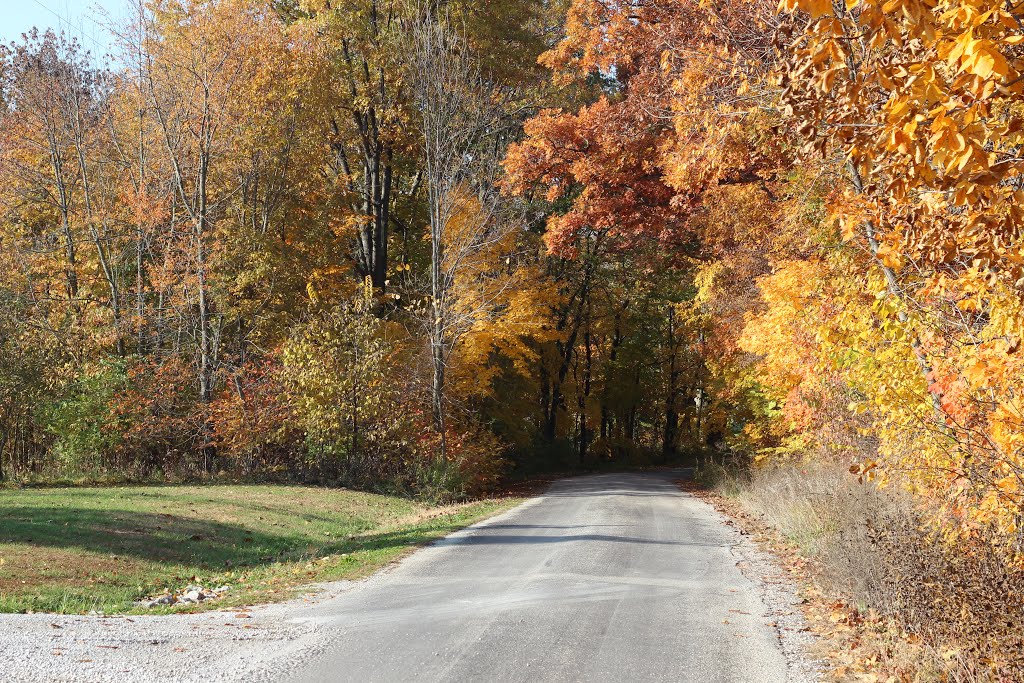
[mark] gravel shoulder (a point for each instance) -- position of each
(565, 564)
(778, 594)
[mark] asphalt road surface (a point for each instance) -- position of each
(605, 578)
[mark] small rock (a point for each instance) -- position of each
(191, 595)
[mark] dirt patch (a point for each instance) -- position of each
(52, 567)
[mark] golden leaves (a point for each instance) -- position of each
(981, 58)
(816, 8)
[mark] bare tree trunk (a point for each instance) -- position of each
(456, 110)
(64, 206)
(437, 394)
(205, 355)
(375, 157)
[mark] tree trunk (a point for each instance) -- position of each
(566, 351)
(205, 354)
(372, 242)
(439, 302)
(64, 203)
(607, 418)
(671, 434)
(377, 186)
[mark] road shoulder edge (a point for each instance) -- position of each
(781, 592)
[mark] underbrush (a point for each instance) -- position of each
(958, 612)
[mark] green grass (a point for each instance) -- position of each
(77, 550)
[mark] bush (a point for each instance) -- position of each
(254, 425)
(476, 454)
(86, 435)
(164, 427)
(336, 375)
(361, 429)
(438, 482)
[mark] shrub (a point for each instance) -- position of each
(475, 454)
(336, 372)
(164, 427)
(254, 425)
(85, 433)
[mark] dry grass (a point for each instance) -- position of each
(921, 610)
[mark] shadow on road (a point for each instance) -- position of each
(481, 537)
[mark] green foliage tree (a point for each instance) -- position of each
(336, 370)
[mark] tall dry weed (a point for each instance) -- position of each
(964, 602)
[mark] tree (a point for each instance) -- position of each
(198, 60)
(55, 163)
(458, 111)
(921, 100)
(334, 366)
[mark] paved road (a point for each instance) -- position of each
(605, 578)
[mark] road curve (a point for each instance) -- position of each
(604, 578)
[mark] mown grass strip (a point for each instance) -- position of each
(103, 549)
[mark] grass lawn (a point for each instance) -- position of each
(74, 550)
